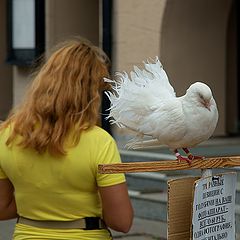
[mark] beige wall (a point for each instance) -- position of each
(69, 18)
(64, 19)
(136, 31)
(193, 47)
(5, 69)
(21, 79)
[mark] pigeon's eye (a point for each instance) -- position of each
(201, 96)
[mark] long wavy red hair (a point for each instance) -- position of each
(64, 95)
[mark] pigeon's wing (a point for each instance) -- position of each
(135, 97)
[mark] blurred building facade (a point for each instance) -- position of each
(196, 40)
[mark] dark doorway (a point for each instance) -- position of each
(107, 48)
(233, 72)
(237, 11)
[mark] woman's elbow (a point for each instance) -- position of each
(123, 227)
(126, 228)
(121, 224)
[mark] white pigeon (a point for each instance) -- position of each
(146, 103)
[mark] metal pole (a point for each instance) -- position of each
(206, 173)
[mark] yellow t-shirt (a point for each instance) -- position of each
(50, 188)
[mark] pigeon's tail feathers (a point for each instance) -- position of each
(151, 81)
(160, 76)
(136, 95)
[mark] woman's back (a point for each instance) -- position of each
(62, 189)
(48, 184)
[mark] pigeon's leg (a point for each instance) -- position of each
(180, 157)
(190, 156)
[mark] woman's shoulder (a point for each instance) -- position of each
(98, 132)
(97, 137)
(4, 135)
(5, 129)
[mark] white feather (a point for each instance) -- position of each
(146, 103)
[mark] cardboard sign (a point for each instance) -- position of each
(213, 216)
(180, 199)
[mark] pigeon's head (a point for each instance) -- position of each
(200, 93)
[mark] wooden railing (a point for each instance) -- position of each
(169, 165)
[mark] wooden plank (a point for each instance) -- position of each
(169, 165)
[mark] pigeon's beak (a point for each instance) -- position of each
(207, 105)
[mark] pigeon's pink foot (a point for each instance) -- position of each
(190, 156)
(181, 158)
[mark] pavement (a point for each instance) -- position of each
(6, 229)
(142, 229)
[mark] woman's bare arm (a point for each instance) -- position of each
(117, 207)
(7, 201)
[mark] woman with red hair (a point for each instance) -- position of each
(50, 148)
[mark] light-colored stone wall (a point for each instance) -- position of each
(66, 19)
(21, 79)
(193, 47)
(136, 31)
